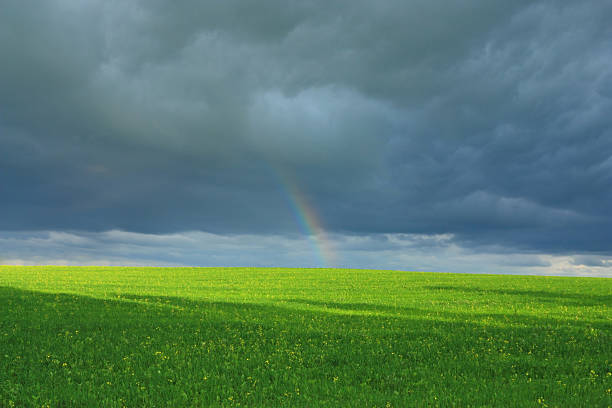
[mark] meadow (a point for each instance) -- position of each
(252, 337)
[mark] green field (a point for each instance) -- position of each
(144, 337)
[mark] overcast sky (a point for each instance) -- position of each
(415, 135)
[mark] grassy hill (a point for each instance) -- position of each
(101, 336)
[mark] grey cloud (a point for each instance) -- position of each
(591, 260)
(485, 122)
(194, 248)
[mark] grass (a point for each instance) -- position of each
(157, 337)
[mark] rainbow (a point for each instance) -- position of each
(307, 218)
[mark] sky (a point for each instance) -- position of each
(423, 135)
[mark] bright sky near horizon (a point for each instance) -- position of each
(415, 135)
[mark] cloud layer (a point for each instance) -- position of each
(415, 252)
(489, 122)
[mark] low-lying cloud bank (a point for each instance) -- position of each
(411, 252)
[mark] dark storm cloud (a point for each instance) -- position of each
(488, 121)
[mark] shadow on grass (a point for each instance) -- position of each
(370, 310)
(511, 318)
(125, 306)
(59, 347)
(569, 299)
(355, 307)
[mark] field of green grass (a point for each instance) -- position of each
(250, 337)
